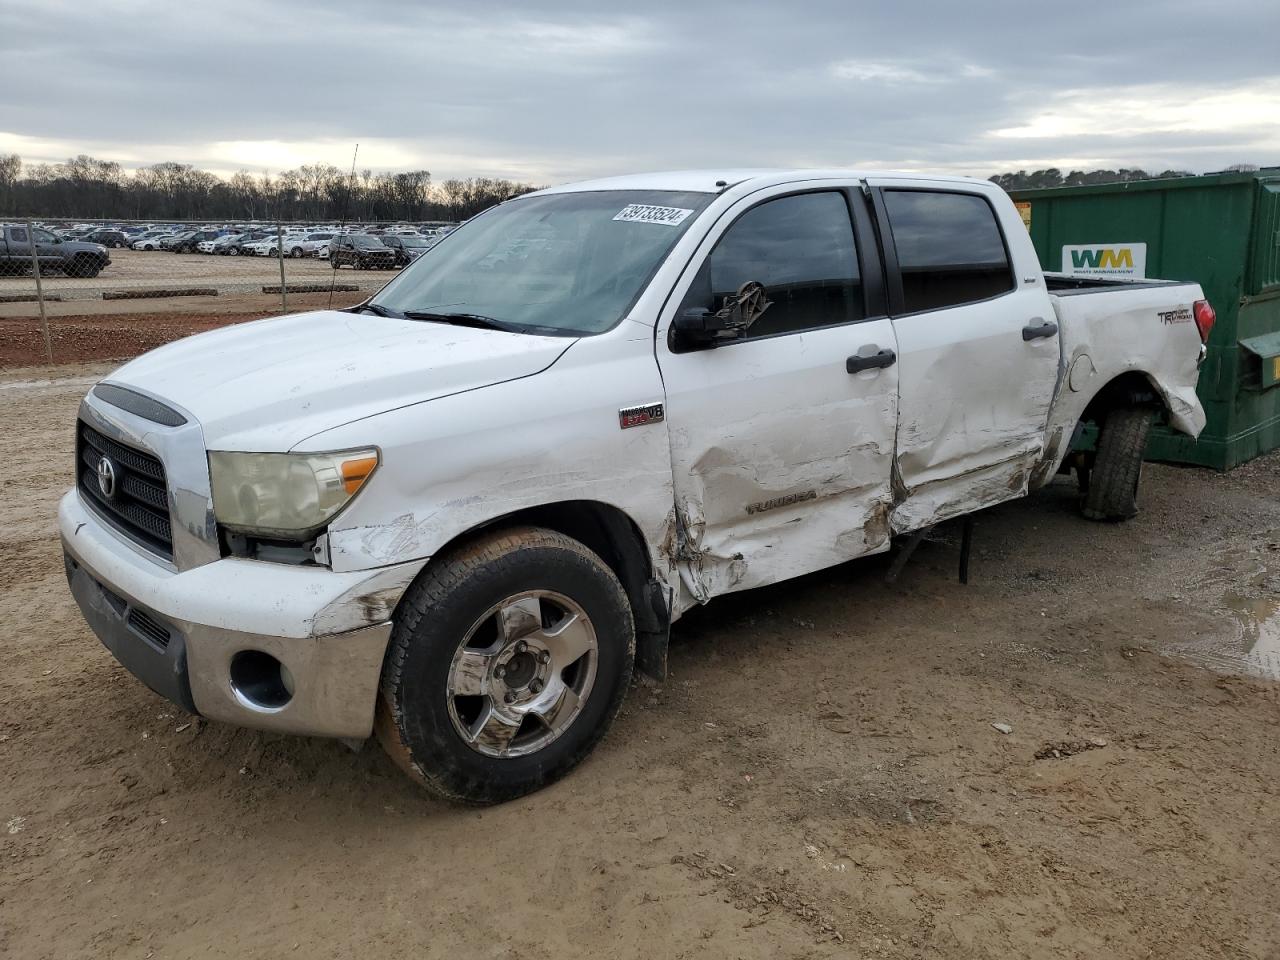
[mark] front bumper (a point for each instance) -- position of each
(328, 630)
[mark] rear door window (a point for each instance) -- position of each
(950, 249)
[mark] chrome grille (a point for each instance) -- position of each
(139, 505)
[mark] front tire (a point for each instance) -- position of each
(1112, 484)
(85, 268)
(508, 661)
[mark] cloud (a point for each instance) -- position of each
(1156, 110)
(907, 72)
(568, 88)
(872, 71)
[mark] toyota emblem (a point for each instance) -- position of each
(107, 477)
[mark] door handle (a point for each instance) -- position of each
(876, 361)
(1038, 328)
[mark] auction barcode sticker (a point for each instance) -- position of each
(644, 213)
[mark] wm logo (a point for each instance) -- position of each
(1102, 258)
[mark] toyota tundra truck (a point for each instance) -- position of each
(74, 258)
(461, 514)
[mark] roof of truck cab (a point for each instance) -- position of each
(714, 180)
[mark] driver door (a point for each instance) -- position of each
(782, 439)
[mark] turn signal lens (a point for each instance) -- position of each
(356, 472)
(1205, 318)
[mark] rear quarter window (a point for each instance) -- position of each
(949, 247)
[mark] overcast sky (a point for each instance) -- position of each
(555, 91)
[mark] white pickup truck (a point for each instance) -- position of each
(463, 512)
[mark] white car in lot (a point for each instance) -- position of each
(464, 511)
(150, 241)
(257, 247)
(270, 246)
(306, 244)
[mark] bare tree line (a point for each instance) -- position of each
(1053, 177)
(88, 188)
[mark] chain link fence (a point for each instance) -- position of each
(97, 290)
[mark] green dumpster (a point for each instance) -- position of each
(1221, 230)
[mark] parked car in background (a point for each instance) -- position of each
(75, 258)
(223, 243)
(258, 247)
(305, 244)
(108, 238)
(408, 247)
(174, 239)
(361, 251)
(188, 242)
(151, 240)
(236, 246)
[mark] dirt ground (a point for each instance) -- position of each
(118, 329)
(819, 777)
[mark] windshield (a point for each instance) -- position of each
(568, 261)
(360, 240)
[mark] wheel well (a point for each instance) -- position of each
(1130, 389)
(615, 538)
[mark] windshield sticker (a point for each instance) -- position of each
(644, 213)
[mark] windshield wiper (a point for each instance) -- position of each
(464, 320)
(375, 308)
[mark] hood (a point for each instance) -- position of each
(270, 384)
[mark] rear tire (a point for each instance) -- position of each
(524, 603)
(1112, 494)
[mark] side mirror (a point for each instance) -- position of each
(698, 327)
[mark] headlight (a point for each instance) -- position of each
(285, 495)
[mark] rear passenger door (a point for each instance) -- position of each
(974, 388)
